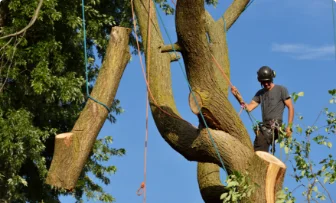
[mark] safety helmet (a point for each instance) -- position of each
(265, 74)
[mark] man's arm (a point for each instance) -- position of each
(289, 104)
(251, 106)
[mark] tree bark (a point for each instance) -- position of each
(200, 39)
(72, 149)
(233, 12)
(211, 188)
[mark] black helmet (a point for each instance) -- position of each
(265, 74)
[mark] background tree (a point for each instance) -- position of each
(42, 92)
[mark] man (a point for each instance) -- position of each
(273, 99)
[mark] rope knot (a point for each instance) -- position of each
(140, 190)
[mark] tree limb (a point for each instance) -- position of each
(208, 177)
(72, 149)
(32, 21)
(233, 13)
(171, 48)
(193, 26)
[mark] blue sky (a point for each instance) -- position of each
(295, 38)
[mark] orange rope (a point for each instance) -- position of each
(173, 2)
(142, 189)
(143, 69)
(147, 101)
(222, 71)
(227, 79)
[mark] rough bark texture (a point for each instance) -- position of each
(211, 188)
(72, 149)
(191, 29)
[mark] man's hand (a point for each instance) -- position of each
(289, 131)
(234, 90)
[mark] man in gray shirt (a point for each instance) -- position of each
(273, 99)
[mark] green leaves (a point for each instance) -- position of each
(311, 173)
(296, 96)
(21, 143)
(333, 94)
(42, 92)
(284, 196)
(239, 188)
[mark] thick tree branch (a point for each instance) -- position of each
(171, 48)
(233, 13)
(193, 144)
(32, 21)
(72, 149)
(208, 177)
(192, 26)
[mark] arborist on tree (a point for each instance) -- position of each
(273, 99)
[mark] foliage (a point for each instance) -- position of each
(239, 188)
(285, 196)
(311, 174)
(42, 92)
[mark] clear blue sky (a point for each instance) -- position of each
(294, 37)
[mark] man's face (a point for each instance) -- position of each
(267, 85)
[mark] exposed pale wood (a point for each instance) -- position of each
(174, 57)
(195, 106)
(72, 149)
(274, 176)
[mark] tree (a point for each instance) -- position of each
(42, 92)
(210, 89)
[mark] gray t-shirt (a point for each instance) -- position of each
(272, 102)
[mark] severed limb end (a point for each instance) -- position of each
(174, 57)
(274, 177)
(66, 137)
(195, 102)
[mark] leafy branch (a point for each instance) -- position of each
(308, 173)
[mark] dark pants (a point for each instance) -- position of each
(264, 138)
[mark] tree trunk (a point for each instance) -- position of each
(199, 39)
(72, 149)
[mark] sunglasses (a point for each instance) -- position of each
(266, 83)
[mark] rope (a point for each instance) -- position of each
(143, 69)
(249, 4)
(142, 189)
(86, 64)
(254, 121)
(334, 26)
(147, 101)
(193, 95)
